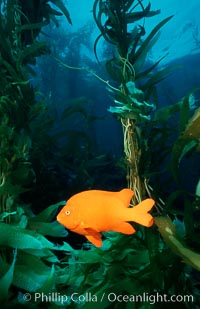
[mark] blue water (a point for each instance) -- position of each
(179, 42)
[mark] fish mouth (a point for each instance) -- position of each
(69, 226)
(74, 227)
(78, 224)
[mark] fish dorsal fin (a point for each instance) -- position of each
(125, 196)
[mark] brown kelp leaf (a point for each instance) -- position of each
(192, 130)
(189, 139)
(168, 231)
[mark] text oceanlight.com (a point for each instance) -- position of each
(110, 297)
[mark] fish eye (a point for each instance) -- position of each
(67, 212)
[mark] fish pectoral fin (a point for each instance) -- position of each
(94, 237)
(124, 227)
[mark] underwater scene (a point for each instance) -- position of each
(100, 154)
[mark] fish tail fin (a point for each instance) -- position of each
(139, 213)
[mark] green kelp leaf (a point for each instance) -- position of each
(170, 201)
(75, 279)
(141, 61)
(95, 46)
(31, 261)
(128, 285)
(13, 236)
(30, 26)
(62, 275)
(183, 106)
(11, 69)
(9, 189)
(187, 148)
(134, 16)
(77, 105)
(62, 7)
(65, 247)
(102, 296)
(7, 278)
(179, 150)
(145, 73)
(10, 16)
(23, 82)
(51, 229)
(49, 284)
(33, 278)
(189, 216)
(21, 217)
(28, 278)
(184, 113)
(24, 143)
(23, 174)
(72, 140)
(114, 70)
(17, 237)
(97, 14)
(91, 256)
(163, 114)
(45, 254)
(144, 45)
(155, 79)
(197, 191)
(32, 264)
(96, 277)
(137, 260)
(131, 17)
(168, 232)
(6, 214)
(23, 222)
(33, 50)
(48, 213)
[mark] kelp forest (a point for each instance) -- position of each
(44, 265)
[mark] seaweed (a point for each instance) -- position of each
(37, 14)
(25, 252)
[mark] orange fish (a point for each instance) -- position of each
(90, 212)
